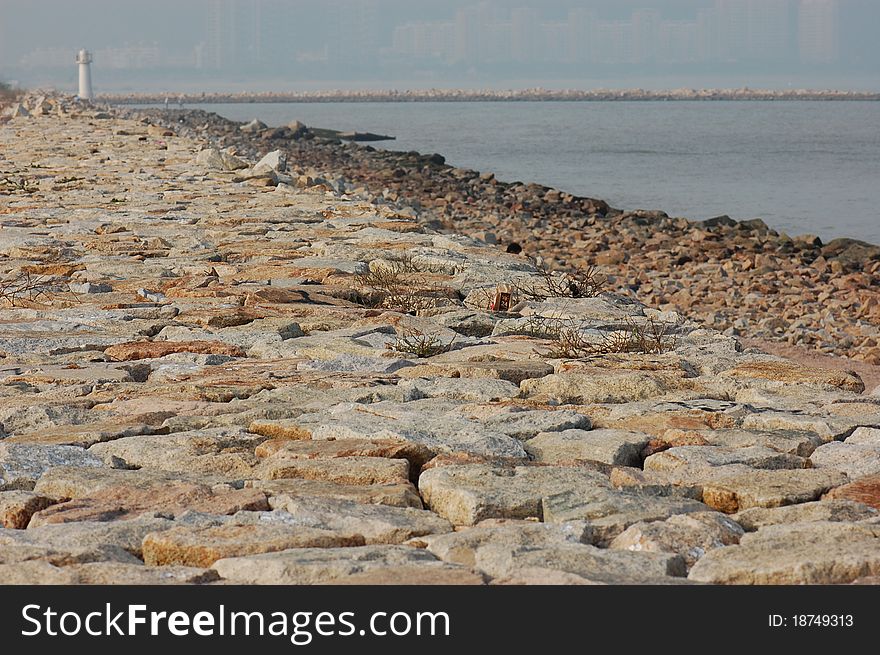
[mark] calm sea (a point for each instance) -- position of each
(803, 167)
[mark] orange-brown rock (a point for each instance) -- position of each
(125, 352)
(864, 490)
(123, 502)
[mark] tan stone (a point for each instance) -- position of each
(201, 547)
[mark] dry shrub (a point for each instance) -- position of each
(420, 344)
(579, 283)
(401, 285)
(16, 288)
(570, 342)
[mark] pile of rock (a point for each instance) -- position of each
(204, 378)
(740, 277)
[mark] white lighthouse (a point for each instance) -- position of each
(84, 59)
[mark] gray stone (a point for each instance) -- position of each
(595, 564)
(72, 543)
(463, 389)
(611, 511)
(857, 457)
(467, 494)
(846, 511)
(379, 524)
(615, 447)
(21, 465)
(305, 566)
(689, 535)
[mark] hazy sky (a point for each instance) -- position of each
(264, 44)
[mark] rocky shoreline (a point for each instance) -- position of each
(741, 278)
(216, 368)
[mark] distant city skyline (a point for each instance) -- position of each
(212, 42)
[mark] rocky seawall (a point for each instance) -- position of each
(217, 368)
(741, 278)
(498, 95)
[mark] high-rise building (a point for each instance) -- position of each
(769, 29)
(580, 25)
(525, 34)
(646, 28)
(818, 31)
(233, 34)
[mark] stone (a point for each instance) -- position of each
(463, 389)
(800, 553)
(305, 566)
(594, 564)
(846, 511)
(732, 492)
(857, 457)
(203, 546)
(113, 573)
(864, 490)
(220, 452)
(393, 495)
(610, 511)
(126, 352)
(69, 482)
(436, 424)
(274, 161)
(785, 372)
(689, 535)
(615, 447)
(511, 371)
(121, 503)
(341, 470)
(467, 494)
(416, 454)
(72, 543)
(581, 389)
(463, 546)
(527, 424)
(22, 464)
(17, 507)
(379, 524)
(693, 459)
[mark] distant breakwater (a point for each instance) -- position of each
(524, 95)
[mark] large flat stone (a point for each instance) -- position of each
(689, 535)
(467, 494)
(305, 566)
(172, 499)
(614, 447)
(846, 511)
(342, 470)
(595, 564)
(216, 451)
(73, 543)
(857, 457)
(379, 524)
(610, 511)
(201, 546)
(799, 553)
(393, 495)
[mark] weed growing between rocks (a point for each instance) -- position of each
(399, 284)
(570, 341)
(580, 283)
(420, 344)
(16, 288)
